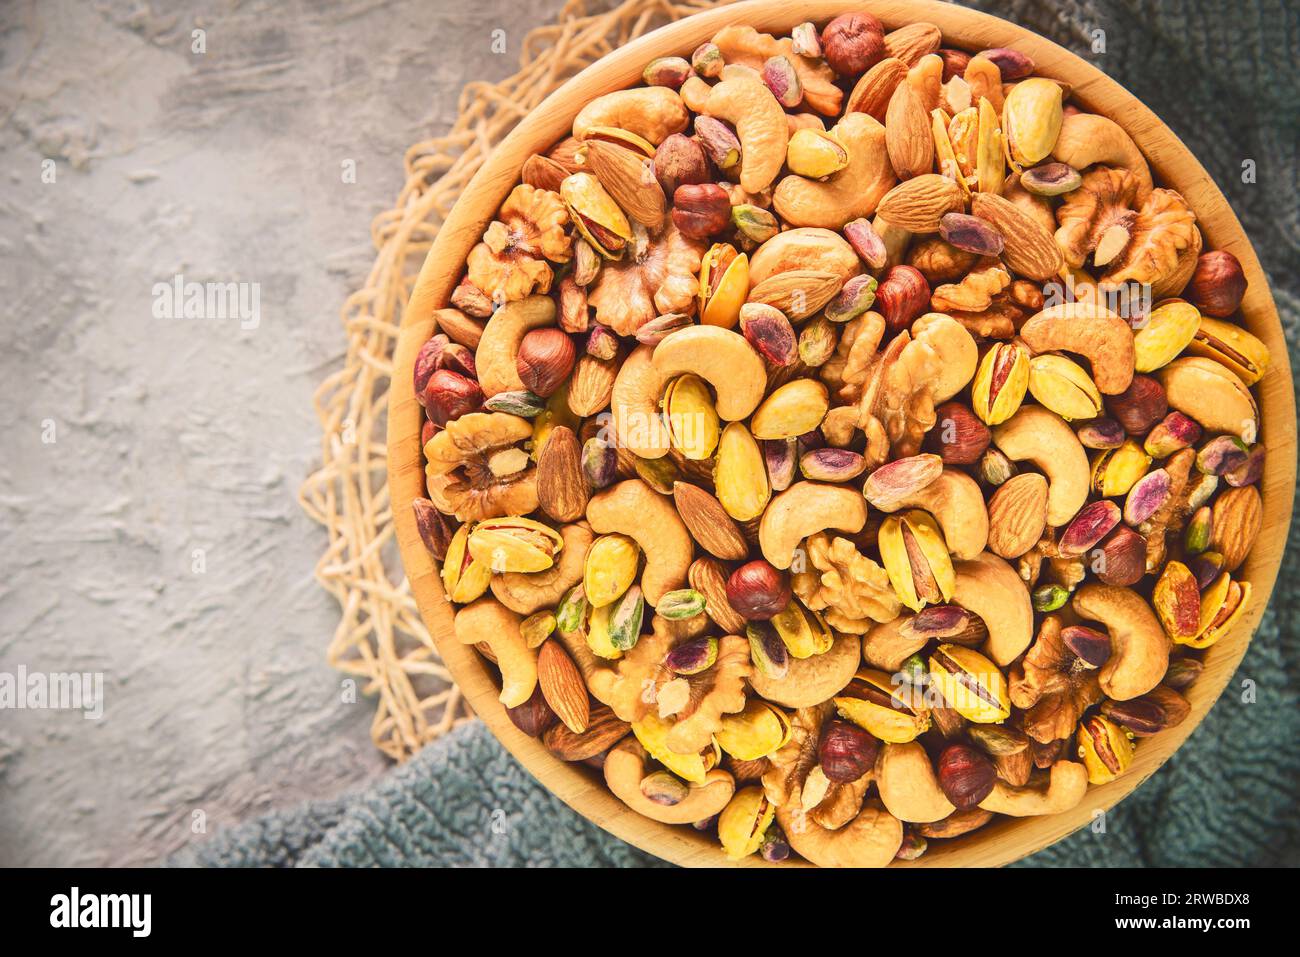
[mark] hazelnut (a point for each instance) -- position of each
(1123, 557)
(852, 43)
(954, 63)
(1217, 285)
(701, 209)
(903, 294)
(757, 591)
(1139, 407)
(533, 716)
(959, 438)
(846, 752)
(966, 776)
(449, 395)
(544, 360)
(680, 161)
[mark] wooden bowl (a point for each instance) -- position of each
(582, 788)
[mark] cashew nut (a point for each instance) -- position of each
(625, 766)
(721, 358)
(804, 509)
(1090, 330)
(850, 194)
(908, 785)
(1041, 437)
(525, 592)
(651, 112)
(886, 648)
(990, 588)
(1086, 138)
(495, 355)
(1212, 394)
(810, 681)
(819, 250)
(634, 406)
(634, 509)
(957, 347)
(1139, 653)
(870, 840)
(1065, 789)
(760, 123)
(488, 621)
(957, 504)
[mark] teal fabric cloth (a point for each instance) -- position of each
(1223, 76)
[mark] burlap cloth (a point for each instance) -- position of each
(1221, 75)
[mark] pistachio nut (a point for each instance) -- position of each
(1177, 602)
(1063, 386)
(536, 628)
(1050, 597)
(659, 328)
(1000, 382)
(803, 630)
(792, 410)
(945, 156)
(693, 424)
(754, 223)
(598, 639)
(857, 295)
(1115, 471)
(1031, 121)
(990, 146)
(652, 732)
(1199, 531)
(1174, 432)
(1092, 523)
(572, 609)
(464, 577)
(891, 713)
(719, 141)
(679, 604)
(916, 558)
(610, 568)
(514, 544)
(815, 154)
(692, 657)
(754, 733)
(743, 823)
(1101, 434)
(1051, 179)
(596, 215)
(1105, 747)
(1147, 496)
(1221, 606)
(664, 788)
(971, 684)
(724, 284)
(1232, 346)
(740, 475)
(770, 656)
(1166, 333)
(625, 617)
(780, 457)
(618, 137)
(523, 403)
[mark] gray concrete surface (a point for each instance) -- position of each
(132, 440)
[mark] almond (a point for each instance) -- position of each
(912, 42)
(1029, 250)
(629, 178)
(798, 292)
(708, 522)
(542, 172)
(562, 686)
(918, 204)
(708, 577)
(603, 731)
(591, 385)
(907, 134)
(1017, 515)
(872, 93)
(1237, 516)
(561, 488)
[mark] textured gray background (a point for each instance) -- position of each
(173, 434)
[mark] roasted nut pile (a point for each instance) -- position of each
(840, 440)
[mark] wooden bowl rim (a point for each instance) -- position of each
(582, 788)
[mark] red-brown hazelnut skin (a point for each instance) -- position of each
(966, 776)
(1139, 407)
(958, 436)
(1218, 284)
(449, 395)
(846, 752)
(701, 209)
(544, 360)
(758, 591)
(902, 296)
(534, 716)
(853, 43)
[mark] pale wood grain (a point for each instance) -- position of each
(582, 788)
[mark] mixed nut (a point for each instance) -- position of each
(841, 440)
